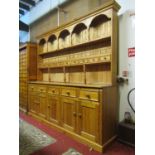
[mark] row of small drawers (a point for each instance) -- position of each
(105, 58)
(89, 94)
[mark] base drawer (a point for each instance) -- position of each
(53, 90)
(89, 95)
(68, 92)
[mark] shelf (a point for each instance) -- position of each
(94, 85)
(98, 73)
(74, 74)
(56, 74)
(79, 45)
(85, 73)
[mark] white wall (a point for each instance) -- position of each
(126, 40)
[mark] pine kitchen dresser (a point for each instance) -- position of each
(76, 90)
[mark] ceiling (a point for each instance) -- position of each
(24, 7)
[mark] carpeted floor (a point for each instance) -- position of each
(64, 145)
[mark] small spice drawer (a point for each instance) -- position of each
(68, 92)
(53, 90)
(89, 94)
(105, 58)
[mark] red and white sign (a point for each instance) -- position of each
(131, 52)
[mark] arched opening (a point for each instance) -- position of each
(52, 43)
(100, 27)
(42, 46)
(64, 39)
(79, 34)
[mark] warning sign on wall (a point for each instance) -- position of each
(131, 52)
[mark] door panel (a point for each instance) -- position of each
(88, 119)
(42, 105)
(33, 101)
(53, 109)
(69, 114)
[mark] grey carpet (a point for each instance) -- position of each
(32, 139)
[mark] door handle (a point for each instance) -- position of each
(74, 113)
(80, 115)
(88, 96)
(68, 93)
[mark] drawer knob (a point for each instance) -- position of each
(53, 91)
(105, 58)
(68, 93)
(80, 115)
(74, 113)
(48, 106)
(88, 96)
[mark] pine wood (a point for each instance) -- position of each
(76, 90)
(53, 109)
(68, 114)
(52, 43)
(38, 100)
(89, 94)
(27, 71)
(87, 114)
(88, 117)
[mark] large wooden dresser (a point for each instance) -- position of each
(27, 71)
(76, 89)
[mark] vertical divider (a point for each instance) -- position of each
(84, 70)
(64, 71)
(88, 33)
(47, 46)
(70, 39)
(49, 77)
(58, 42)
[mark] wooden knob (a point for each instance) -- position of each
(80, 115)
(74, 113)
(68, 93)
(88, 96)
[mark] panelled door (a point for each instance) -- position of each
(42, 104)
(33, 102)
(69, 113)
(53, 108)
(88, 120)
